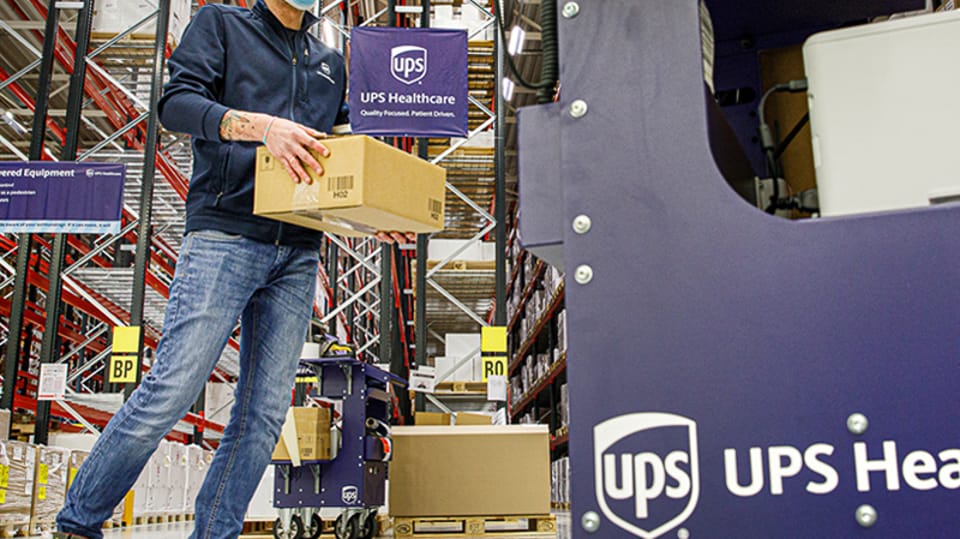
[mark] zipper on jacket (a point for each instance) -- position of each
(293, 95)
(293, 69)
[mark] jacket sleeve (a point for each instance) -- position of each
(189, 103)
(343, 114)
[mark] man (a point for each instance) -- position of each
(238, 79)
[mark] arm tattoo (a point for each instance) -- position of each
(235, 126)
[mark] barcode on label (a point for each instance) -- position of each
(339, 183)
(435, 206)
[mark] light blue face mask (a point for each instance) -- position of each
(302, 5)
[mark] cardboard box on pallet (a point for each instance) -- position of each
(17, 468)
(366, 186)
(49, 487)
(470, 471)
(312, 429)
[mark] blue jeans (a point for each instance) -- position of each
(219, 279)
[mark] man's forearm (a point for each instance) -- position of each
(244, 126)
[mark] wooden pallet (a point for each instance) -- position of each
(261, 528)
(154, 519)
(15, 529)
(258, 527)
(482, 526)
(464, 265)
(42, 527)
(462, 387)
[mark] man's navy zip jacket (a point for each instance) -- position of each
(234, 58)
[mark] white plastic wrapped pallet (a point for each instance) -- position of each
(157, 482)
(197, 465)
(50, 486)
(177, 479)
(17, 467)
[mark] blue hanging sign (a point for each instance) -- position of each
(408, 82)
(61, 197)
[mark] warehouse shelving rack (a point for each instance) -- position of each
(116, 120)
(110, 121)
(543, 398)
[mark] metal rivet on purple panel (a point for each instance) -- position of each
(590, 521)
(570, 10)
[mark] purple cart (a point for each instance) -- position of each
(355, 477)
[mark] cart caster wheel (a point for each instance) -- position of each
(370, 527)
(315, 529)
(345, 530)
(295, 531)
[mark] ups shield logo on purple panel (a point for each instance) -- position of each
(408, 63)
(646, 470)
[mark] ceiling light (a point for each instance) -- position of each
(517, 36)
(508, 87)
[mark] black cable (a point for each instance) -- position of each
(791, 135)
(513, 68)
(550, 68)
(768, 144)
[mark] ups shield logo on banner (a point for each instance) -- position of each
(408, 63)
(646, 471)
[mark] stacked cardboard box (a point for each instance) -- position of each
(50, 486)
(17, 470)
(463, 16)
(113, 17)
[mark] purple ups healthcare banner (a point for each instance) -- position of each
(408, 82)
(61, 197)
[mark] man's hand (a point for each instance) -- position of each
(289, 142)
(396, 237)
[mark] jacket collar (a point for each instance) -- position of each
(261, 9)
